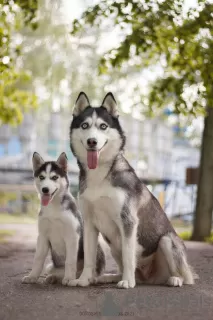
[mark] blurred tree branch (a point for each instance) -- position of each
(14, 14)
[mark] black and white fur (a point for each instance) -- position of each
(117, 204)
(60, 226)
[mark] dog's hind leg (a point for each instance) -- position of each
(174, 252)
(166, 247)
(112, 277)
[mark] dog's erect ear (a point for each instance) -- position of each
(37, 161)
(110, 104)
(63, 161)
(82, 103)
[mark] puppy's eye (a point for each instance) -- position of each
(103, 126)
(41, 177)
(84, 125)
(54, 178)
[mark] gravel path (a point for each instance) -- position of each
(51, 302)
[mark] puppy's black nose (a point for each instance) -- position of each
(45, 190)
(92, 142)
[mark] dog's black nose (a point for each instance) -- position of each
(92, 142)
(45, 190)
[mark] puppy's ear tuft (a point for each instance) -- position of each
(63, 161)
(37, 161)
(81, 104)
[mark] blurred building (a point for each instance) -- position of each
(149, 143)
(159, 158)
(149, 147)
(181, 198)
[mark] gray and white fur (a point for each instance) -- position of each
(60, 225)
(117, 204)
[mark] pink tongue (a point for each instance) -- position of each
(92, 159)
(45, 199)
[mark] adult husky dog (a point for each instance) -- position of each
(60, 225)
(116, 203)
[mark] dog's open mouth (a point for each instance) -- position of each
(92, 157)
(46, 198)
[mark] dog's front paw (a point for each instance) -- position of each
(94, 280)
(67, 281)
(29, 279)
(125, 284)
(175, 282)
(79, 282)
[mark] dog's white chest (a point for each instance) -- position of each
(104, 198)
(105, 204)
(98, 187)
(54, 231)
(108, 228)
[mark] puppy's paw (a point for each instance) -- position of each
(29, 279)
(94, 280)
(79, 282)
(51, 279)
(125, 284)
(175, 282)
(67, 281)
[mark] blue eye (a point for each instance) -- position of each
(103, 126)
(84, 125)
(54, 178)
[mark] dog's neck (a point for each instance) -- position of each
(92, 177)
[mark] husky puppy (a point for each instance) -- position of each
(60, 225)
(117, 204)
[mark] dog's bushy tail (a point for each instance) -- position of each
(187, 272)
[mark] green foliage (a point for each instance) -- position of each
(162, 34)
(186, 236)
(6, 218)
(14, 100)
(210, 239)
(6, 196)
(5, 234)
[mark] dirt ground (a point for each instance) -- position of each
(50, 302)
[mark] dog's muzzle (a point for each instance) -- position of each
(46, 198)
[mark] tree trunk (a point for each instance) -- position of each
(204, 205)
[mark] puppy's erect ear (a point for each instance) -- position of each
(37, 161)
(110, 104)
(82, 103)
(62, 161)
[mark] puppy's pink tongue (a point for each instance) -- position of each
(92, 159)
(45, 199)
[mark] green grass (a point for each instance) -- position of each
(210, 239)
(6, 218)
(4, 234)
(186, 235)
